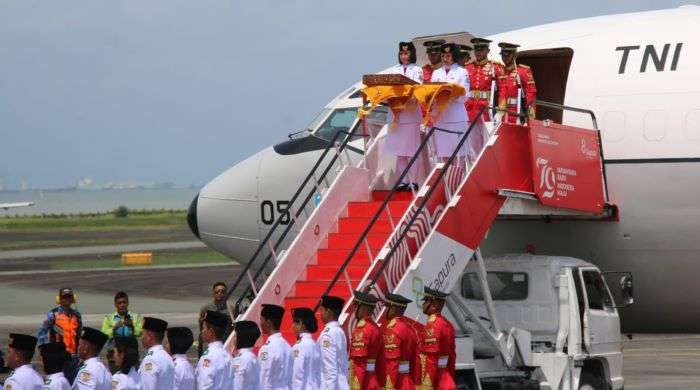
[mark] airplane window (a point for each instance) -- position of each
(319, 118)
(340, 120)
(504, 286)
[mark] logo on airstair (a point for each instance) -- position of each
(586, 151)
(547, 177)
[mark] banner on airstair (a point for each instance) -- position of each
(566, 167)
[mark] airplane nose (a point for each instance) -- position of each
(192, 217)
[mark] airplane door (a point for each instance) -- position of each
(601, 322)
(550, 68)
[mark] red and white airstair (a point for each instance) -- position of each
(364, 234)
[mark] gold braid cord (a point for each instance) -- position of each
(426, 383)
(354, 382)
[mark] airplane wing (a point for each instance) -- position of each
(7, 206)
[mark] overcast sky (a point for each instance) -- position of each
(180, 90)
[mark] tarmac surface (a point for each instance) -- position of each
(176, 294)
(97, 250)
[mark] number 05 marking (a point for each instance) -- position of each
(268, 209)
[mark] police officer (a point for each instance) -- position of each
(437, 348)
(400, 365)
(333, 345)
(157, 369)
(275, 355)
(92, 374)
(126, 358)
(214, 369)
(54, 357)
(246, 368)
(20, 352)
(365, 344)
(432, 48)
(454, 117)
(516, 82)
(306, 371)
(180, 339)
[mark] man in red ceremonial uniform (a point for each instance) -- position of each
(399, 364)
(365, 345)
(515, 77)
(483, 76)
(434, 56)
(437, 350)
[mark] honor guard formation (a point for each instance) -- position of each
(394, 353)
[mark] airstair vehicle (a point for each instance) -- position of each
(522, 321)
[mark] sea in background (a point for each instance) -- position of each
(92, 201)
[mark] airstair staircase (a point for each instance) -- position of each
(386, 240)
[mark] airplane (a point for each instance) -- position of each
(7, 206)
(640, 74)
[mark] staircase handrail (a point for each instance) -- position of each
(387, 198)
(331, 144)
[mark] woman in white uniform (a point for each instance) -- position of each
(403, 137)
(126, 357)
(454, 118)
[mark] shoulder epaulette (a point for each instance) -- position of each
(524, 66)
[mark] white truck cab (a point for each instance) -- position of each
(548, 322)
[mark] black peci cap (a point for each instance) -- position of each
(216, 319)
(179, 332)
(333, 303)
(247, 333)
(56, 348)
(362, 298)
(396, 300)
(155, 324)
(272, 312)
(94, 336)
(23, 342)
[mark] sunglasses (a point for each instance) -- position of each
(221, 291)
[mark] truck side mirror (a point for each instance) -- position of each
(623, 290)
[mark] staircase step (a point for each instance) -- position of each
(348, 241)
(358, 225)
(326, 272)
(398, 195)
(335, 257)
(316, 288)
(368, 209)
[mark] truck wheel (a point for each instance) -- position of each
(590, 381)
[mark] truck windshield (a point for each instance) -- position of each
(340, 120)
(504, 286)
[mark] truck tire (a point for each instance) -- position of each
(590, 380)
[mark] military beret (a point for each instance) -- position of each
(306, 316)
(396, 300)
(480, 43)
(23, 342)
(55, 348)
(333, 303)
(155, 324)
(126, 342)
(273, 312)
(362, 298)
(429, 293)
(216, 319)
(508, 47)
(94, 336)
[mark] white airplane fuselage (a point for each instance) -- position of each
(640, 74)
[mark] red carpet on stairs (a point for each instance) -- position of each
(307, 291)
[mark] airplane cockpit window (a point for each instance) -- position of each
(340, 120)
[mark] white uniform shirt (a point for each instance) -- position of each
(275, 358)
(130, 381)
(334, 357)
(56, 381)
(93, 375)
(184, 373)
(157, 369)
(456, 112)
(214, 369)
(246, 370)
(24, 378)
(306, 373)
